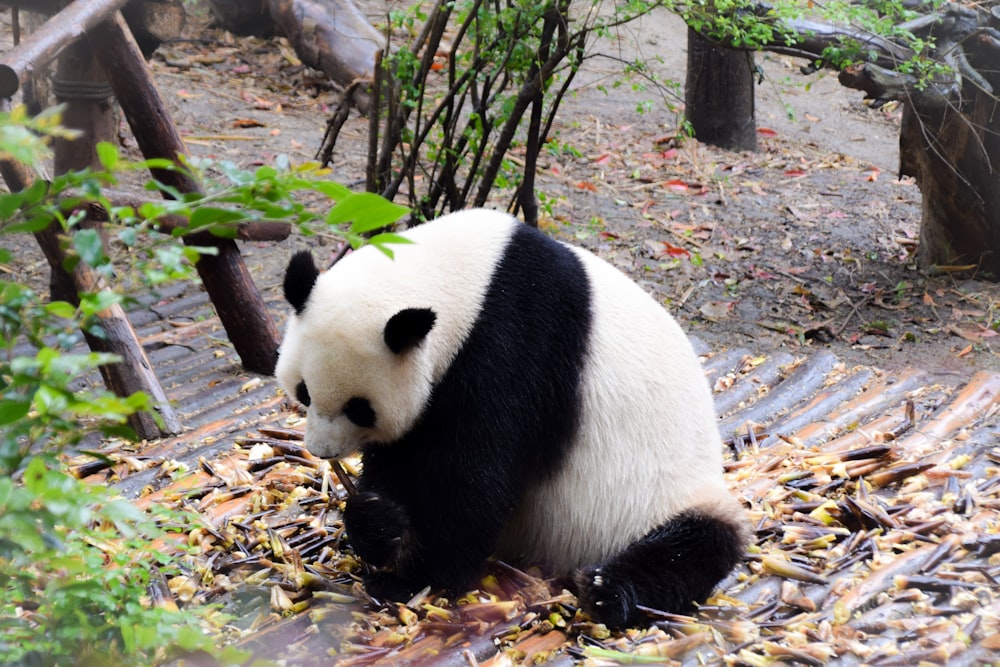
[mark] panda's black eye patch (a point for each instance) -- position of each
(360, 412)
(302, 394)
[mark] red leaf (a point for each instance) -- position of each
(766, 131)
(761, 273)
(603, 159)
(667, 249)
(586, 185)
(676, 184)
(795, 173)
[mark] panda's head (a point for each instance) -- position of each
(356, 361)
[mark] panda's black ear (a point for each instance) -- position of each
(407, 328)
(299, 280)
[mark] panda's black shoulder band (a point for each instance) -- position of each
(299, 280)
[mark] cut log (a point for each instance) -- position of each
(243, 17)
(81, 86)
(153, 22)
(255, 230)
(332, 36)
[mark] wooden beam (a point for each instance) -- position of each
(39, 6)
(41, 47)
(224, 275)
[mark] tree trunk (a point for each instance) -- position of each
(955, 158)
(718, 94)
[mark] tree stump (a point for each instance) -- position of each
(719, 95)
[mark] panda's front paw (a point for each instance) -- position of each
(378, 529)
(606, 598)
(388, 587)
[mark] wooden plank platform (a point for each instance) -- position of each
(875, 497)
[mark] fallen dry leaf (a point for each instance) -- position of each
(717, 310)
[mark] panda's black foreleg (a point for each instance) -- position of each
(443, 544)
(378, 529)
(380, 533)
(671, 568)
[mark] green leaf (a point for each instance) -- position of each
(88, 245)
(128, 236)
(11, 411)
(62, 309)
(210, 215)
(91, 304)
(385, 240)
(107, 153)
(157, 163)
(334, 191)
(32, 225)
(6, 489)
(223, 231)
(9, 203)
(123, 513)
(366, 212)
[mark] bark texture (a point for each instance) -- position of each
(955, 157)
(719, 95)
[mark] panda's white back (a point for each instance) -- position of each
(648, 446)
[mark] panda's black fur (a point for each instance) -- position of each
(501, 420)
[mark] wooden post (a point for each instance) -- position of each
(225, 276)
(81, 86)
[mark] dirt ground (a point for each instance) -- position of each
(804, 244)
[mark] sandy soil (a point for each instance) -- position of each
(805, 244)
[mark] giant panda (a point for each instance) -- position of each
(514, 396)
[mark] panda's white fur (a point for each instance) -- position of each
(653, 438)
(642, 472)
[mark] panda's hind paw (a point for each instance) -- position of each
(606, 600)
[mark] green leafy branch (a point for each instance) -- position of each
(77, 563)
